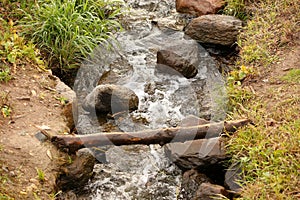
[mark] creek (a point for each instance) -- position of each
(166, 98)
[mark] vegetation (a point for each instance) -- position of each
(41, 174)
(68, 31)
(293, 76)
(14, 50)
(268, 151)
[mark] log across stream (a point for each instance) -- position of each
(72, 143)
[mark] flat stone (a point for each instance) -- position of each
(214, 29)
(198, 153)
(199, 7)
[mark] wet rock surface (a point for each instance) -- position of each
(199, 7)
(177, 62)
(215, 29)
(198, 153)
(111, 99)
(166, 98)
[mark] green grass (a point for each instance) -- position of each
(293, 76)
(4, 74)
(68, 31)
(268, 151)
(236, 8)
(40, 174)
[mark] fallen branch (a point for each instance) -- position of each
(158, 136)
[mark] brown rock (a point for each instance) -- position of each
(204, 153)
(77, 174)
(111, 99)
(177, 62)
(208, 191)
(214, 29)
(199, 7)
(191, 180)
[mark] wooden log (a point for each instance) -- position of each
(71, 143)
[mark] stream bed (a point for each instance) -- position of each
(166, 98)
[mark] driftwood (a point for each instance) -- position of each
(158, 136)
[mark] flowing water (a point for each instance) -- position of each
(165, 99)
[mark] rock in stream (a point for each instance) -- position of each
(166, 97)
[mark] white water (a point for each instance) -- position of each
(144, 172)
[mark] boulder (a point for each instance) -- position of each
(177, 62)
(191, 180)
(77, 174)
(199, 7)
(208, 191)
(203, 153)
(111, 99)
(214, 29)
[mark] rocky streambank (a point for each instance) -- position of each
(157, 75)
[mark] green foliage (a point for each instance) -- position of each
(236, 8)
(293, 76)
(41, 174)
(69, 30)
(269, 158)
(15, 51)
(6, 111)
(12, 8)
(4, 74)
(5, 197)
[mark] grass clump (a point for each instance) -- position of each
(236, 8)
(68, 31)
(293, 76)
(40, 174)
(4, 74)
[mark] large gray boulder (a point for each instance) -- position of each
(111, 99)
(214, 29)
(199, 7)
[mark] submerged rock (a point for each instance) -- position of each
(215, 29)
(199, 7)
(77, 174)
(111, 99)
(208, 191)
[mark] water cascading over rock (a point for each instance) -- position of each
(166, 95)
